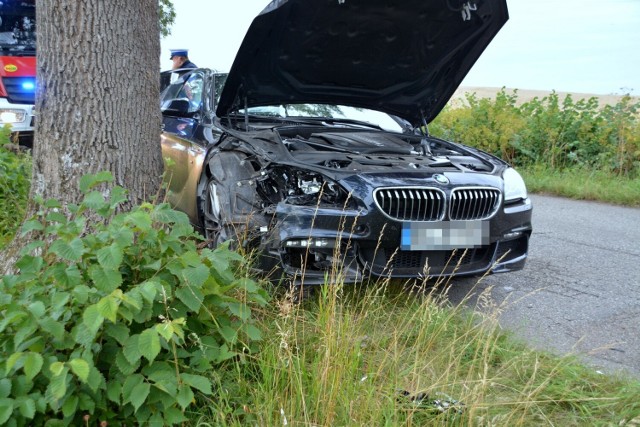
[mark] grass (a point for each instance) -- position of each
(383, 355)
(583, 185)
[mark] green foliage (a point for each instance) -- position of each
(167, 16)
(15, 178)
(117, 316)
(550, 132)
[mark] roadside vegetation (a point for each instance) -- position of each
(127, 317)
(579, 149)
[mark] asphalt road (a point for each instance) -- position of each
(580, 290)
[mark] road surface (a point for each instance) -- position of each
(580, 290)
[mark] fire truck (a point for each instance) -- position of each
(18, 68)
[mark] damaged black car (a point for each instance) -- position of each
(313, 152)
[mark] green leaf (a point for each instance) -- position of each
(125, 367)
(108, 308)
(196, 276)
(58, 384)
(37, 309)
(6, 409)
(27, 407)
(92, 318)
(105, 279)
(71, 251)
(191, 297)
(80, 368)
(94, 200)
(149, 344)
(139, 395)
(240, 310)
(225, 354)
(95, 379)
(5, 387)
(68, 276)
(174, 416)
(81, 293)
(253, 333)
(57, 368)
(131, 349)
(185, 396)
(129, 384)
(31, 225)
(117, 331)
(110, 257)
(165, 329)
(198, 382)
(69, 406)
(118, 196)
(32, 365)
(139, 219)
(30, 264)
(52, 327)
(87, 182)
(12, 360)
(148, 290)
(114, 388)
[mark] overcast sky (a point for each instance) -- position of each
(589, 46)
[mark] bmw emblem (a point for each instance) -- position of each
(441, 179)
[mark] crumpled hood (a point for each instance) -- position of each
(403, 57)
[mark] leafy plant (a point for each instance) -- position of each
(117, 317)
(15, 175)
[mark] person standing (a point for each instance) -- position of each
(180, 58)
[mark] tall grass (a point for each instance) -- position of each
(394, 355)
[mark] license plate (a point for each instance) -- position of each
(446, 235)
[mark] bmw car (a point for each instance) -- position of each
(314, 154)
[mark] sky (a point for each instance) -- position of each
(584, 46)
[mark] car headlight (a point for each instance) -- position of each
(514, 186)
(8, 116)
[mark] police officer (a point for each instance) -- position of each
(180, 58)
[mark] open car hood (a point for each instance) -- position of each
(402, 57)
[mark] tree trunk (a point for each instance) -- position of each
(97, 99)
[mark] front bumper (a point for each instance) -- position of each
(315, 244)
(21, 119)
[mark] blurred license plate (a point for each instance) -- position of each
(424, 236)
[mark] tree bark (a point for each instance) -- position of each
(97, 101)
(97, 98)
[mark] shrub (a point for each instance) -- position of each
(117, 317)
(15, 175)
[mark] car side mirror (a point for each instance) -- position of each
(177, 107)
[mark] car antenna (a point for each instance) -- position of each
(246, 114)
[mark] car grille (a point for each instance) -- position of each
(16, 93)
(411, 204)
(473, 203)
(428, 204)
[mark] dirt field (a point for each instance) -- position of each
(527, 95)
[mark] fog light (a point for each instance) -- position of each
(12, 116)
(304, 243)
(512, 235)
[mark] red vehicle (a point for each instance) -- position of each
(18, 67)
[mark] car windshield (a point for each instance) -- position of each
(17, 27)
(335, 114)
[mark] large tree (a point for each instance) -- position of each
(97, 99)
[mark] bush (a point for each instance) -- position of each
(117, 317)
(550, 132)
(15, 175)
